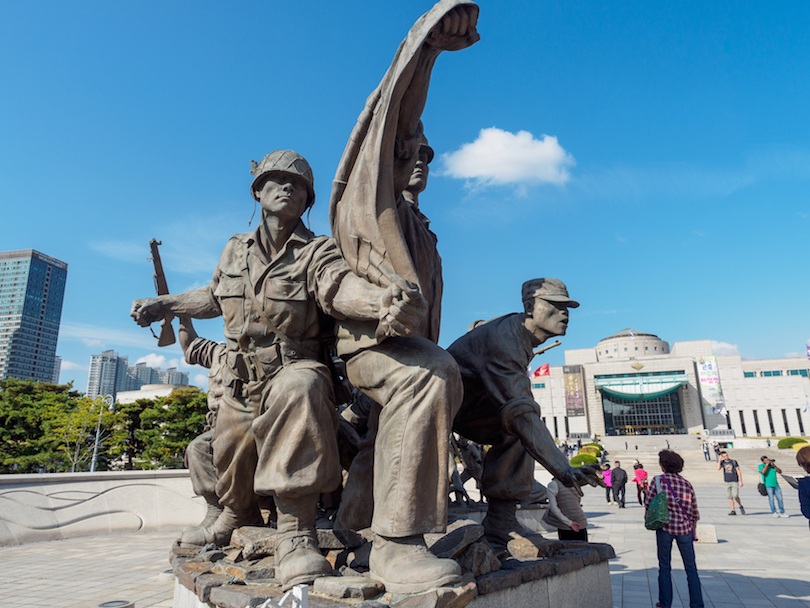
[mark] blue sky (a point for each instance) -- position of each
(662, 171)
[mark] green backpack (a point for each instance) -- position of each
(657, 513)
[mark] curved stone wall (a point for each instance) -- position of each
(43, 507)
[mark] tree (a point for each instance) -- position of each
(73, 427)
(26, 443)
(129, 438)
(170, 426)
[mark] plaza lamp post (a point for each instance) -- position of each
(107, 399)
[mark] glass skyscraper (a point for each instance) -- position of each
(32, 289)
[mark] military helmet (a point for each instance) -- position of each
(282, 161)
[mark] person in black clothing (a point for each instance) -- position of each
(618, 481)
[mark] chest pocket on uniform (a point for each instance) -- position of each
(283, 290)
(230, 293)
(287, 305)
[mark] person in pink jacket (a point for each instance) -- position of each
(606, 472)
(641, 482)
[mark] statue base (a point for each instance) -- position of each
(543, 573)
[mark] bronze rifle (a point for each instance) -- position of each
(166, 332)
(540, 351)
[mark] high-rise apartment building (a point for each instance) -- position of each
(111, 374)
(108, 374)
(32, 288)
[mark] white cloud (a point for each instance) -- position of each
(153, 360)
(95, 336)
(498, 157)
(70, 365)
(201, 380)
(724, 348)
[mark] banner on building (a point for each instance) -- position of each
(574, 391)
(710, 389)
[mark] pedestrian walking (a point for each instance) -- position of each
(768, 470)
(606, 472)
(640, 480)
(618, 481)
(706, 451)
(683, 516)
(716, 451)
(732, 476)
(803, 459)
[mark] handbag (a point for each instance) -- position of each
(694, 530)
(657, 515)
(762, 489)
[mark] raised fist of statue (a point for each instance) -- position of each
(402, 308)
(147, 311)
(456, 30)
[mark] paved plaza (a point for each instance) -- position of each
(759, 561)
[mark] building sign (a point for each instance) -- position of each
(574, 391)
(710, 389)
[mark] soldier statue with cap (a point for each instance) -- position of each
(276, 426)
(499, 410)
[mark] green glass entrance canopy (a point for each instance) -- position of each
(636, 388)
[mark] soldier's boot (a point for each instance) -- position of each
(501, 526)
(404, 565)
(298, 557)
(212, 510)
(220, 531)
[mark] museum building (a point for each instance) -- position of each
(633, 383)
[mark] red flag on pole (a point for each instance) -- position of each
(543, 370)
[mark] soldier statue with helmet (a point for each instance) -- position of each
(276, 426)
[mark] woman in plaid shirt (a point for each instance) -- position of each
(683, 516)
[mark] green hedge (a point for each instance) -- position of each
(789, 441)
(583, 459)
(596, 445)
(589, 449)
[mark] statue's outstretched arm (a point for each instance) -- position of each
(197, 303)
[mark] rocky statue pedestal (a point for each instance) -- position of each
(550, 573)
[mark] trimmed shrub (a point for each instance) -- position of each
(798, 446)
(596, 445)
(589, 449)
(583, 459)
(789, 441)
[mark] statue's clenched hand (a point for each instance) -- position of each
(402, 308)
(147, 311)
(579, 476)
(456, 30)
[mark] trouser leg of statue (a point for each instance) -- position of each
(418, 386)
(199, 460)
(357, 503)
(507, 477)
(288, 448)
(296, 439)
(234, 458)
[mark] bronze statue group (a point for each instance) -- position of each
(305, 313)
